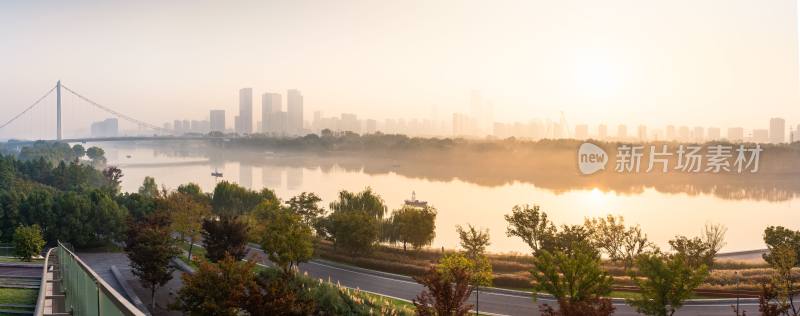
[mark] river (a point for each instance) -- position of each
(459, 201)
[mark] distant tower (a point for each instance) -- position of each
(58, 110)
(245, 111)
(294, 108)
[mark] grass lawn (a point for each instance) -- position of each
(18, 296)
(17, 260)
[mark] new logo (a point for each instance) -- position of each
(591, 158)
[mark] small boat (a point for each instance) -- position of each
(413, 202)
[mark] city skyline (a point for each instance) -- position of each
(652, 64)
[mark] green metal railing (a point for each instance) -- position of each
(85, 293)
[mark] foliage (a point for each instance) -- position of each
(150, 248)
(665, 282)
(530, 224)
(195, 192)
(187, 214)
(306, 206)
(445, 293)
(230, 199)
(575, 275)
(778, 236)
(413, 225)
(283, 235)
(97, 155)
(620, 243)
(365, 201)
(779, 296)
(572, 274)
(279, 295)
(226, 235)
(591, 307)
(149, 188)
(28, 242)
(480, 269)
(78, 151)
(695, 251)
(216, 289)
(474, 241)
(355, 231)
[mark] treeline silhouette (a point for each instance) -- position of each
(547, 164)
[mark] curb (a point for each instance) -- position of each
(182, 266)
(129, 291)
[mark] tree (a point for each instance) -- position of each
(365, 201)
(279, 295)
(575, 278)
(230, 199)
(187, 215)
(97, 155)
(283, 235)
(306, 206)
(224, 235)
(28, 242)
(620, 243)
(193, 190)
(530, 224)
(714, 237)
(474, 241)
(78, 151)
(150, 248)
(149, 188)
(414, 225)
(113, 176)
(780, 294)
(776, 237)
(695, 251)
(665, 282)
(445, 293)
(355, 231)
(219, 289)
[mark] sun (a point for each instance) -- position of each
(597, 75)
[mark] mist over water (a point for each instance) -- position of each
(479, 195)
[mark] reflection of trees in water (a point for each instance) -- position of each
(553, 170)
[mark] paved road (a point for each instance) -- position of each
(492, 301)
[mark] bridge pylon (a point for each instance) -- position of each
(58, 110)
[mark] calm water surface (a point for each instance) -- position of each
(661, 215)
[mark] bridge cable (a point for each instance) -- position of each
(123, 116)
(28, 108)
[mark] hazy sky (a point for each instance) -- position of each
(695, 62)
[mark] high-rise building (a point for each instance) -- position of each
(270, 104)
(622, 132)
(294, 112)
(371, 126)
(217, 120)
(602, 132)
(760, 136)
(105, 128)
(245, 121)
(641, 132)
(698, 134)
(735, 134)
(713, 134)
(670, 133)
(777, 130)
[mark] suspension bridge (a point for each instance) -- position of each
(154, 132)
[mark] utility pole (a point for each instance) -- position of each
(58, 110)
